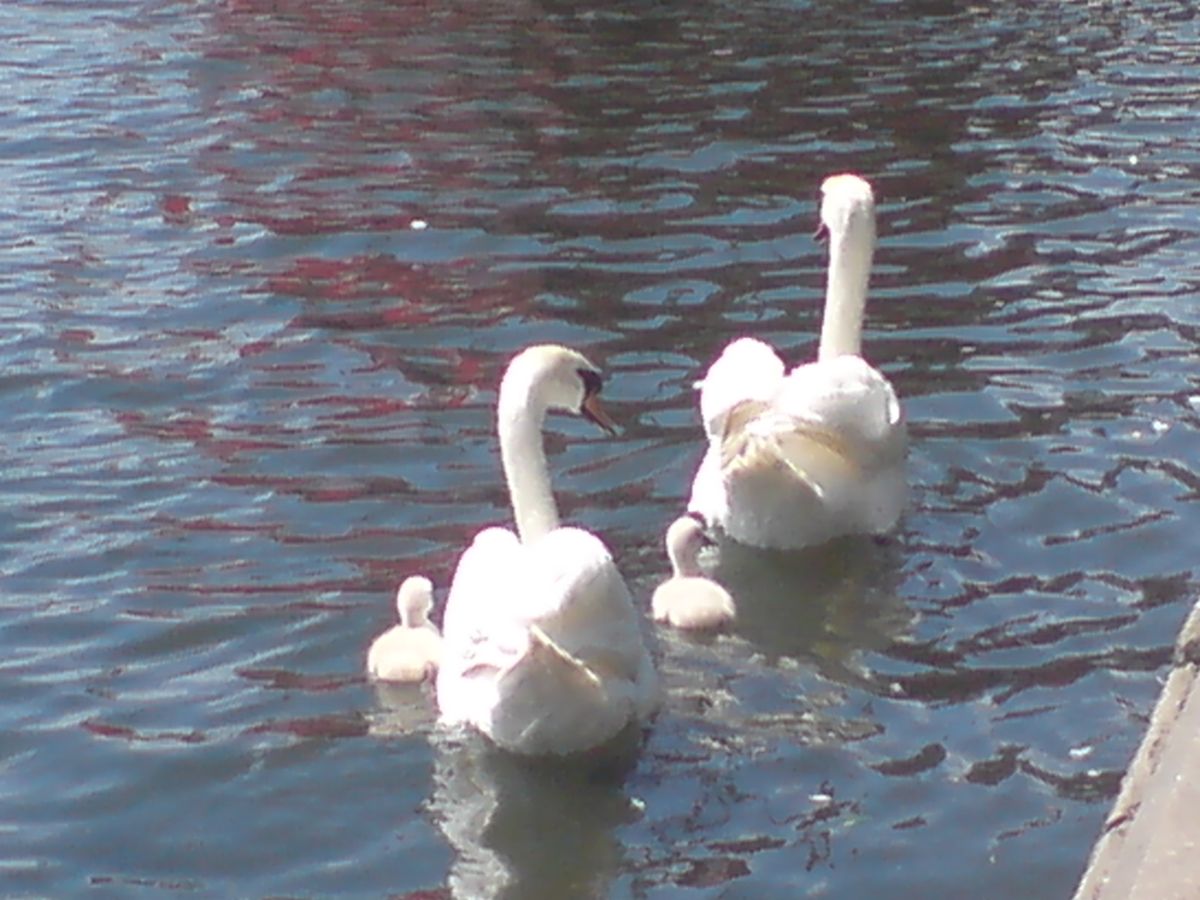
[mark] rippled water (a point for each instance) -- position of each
(244, 393)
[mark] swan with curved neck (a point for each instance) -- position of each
(543, 650)
(410, 651)
(800, 458)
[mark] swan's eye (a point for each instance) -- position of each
(592, 380)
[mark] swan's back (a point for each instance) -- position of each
(846, 395)
(584, 604)
(747, 369)
(499, 674)
(821, 458)
(405, 654)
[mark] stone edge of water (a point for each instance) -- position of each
(1149, 848)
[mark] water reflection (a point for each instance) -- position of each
(827, 605)
(520, 828)
(402, 709)
(530, 829)
(244, 395)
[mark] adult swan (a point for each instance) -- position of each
(795, 460)
(542, 647)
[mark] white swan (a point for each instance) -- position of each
(688, 599)
(409, 651)
(543, 650)
(795, 460)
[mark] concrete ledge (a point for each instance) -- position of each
(1150, 846)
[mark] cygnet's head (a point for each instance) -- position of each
(847, 202)
(747, 369)
(414, 599)
(549, 376)
(686, 537)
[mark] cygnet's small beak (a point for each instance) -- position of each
(593, 411)
(707, 538)
(822, 233)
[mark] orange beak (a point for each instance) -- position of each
(592, 410)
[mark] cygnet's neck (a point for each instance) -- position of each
(520, 416)
(850, 252)
(684, 560)
(413, 615)
(413, 600)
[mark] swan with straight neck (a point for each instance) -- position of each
(797, 459)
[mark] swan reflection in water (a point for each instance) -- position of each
(402, 708)
(826, 606)
(527, 828)
(534, 828)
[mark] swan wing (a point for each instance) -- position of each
(763, 444)
(824, 457)
(477, 644)
(553, 702)
(847, 397)
(747, 369)
(483, 571)
(582, 603)
(543, 649)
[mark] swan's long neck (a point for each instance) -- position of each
(524, 460)
(850, 253)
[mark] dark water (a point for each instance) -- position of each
(243, 396)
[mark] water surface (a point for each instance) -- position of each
(263, 265)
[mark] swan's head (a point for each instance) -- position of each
(686, 537)
(547, 376)
(747, 369)
(414, 599)
(847, 201)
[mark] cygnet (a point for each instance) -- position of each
(410, 651)
(688, 599)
